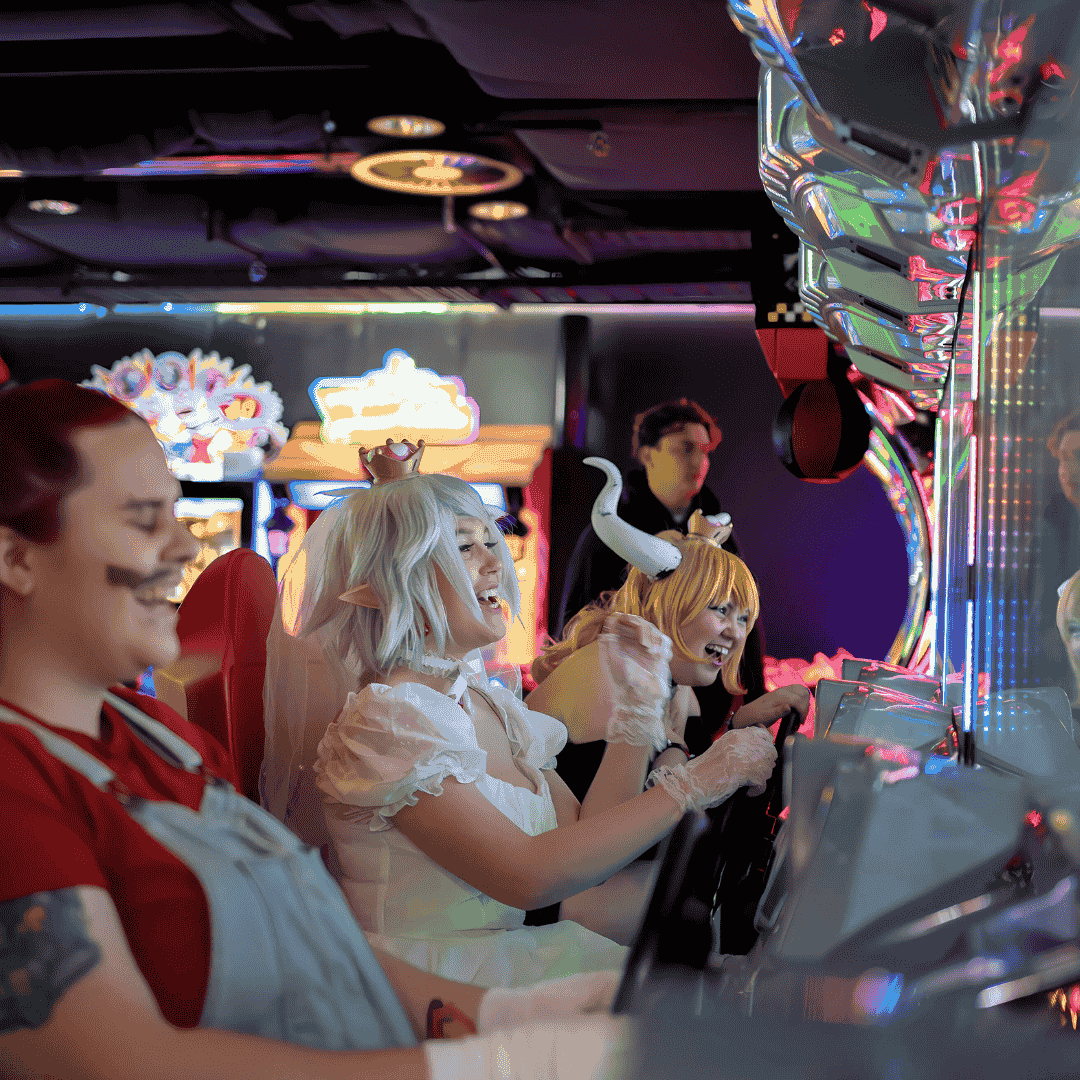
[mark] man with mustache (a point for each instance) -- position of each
(153, 922)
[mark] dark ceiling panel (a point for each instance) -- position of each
(656, 152)
(169, 231)
(633, 125)
(336, 233)
(89, 23)
(587, 49)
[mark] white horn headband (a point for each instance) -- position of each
(650, 554)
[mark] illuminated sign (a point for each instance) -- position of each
(398, 400)
(216, 524)
(213, 421)
(318, 495)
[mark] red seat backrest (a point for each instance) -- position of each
(226, 617)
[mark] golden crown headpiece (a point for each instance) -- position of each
(713, 529)
(387, 463)
(383, 465)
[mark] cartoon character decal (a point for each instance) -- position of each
(201, 409)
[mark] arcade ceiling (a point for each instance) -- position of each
(209, 148)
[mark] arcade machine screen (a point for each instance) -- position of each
(218, 525)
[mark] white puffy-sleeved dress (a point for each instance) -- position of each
(386, 746)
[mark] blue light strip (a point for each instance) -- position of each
(263, 511)
(52, 311)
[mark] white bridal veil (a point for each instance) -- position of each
(305, 687)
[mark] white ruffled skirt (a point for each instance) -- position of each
(520, 957)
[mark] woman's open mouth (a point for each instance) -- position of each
(716, 652)
(490, 598)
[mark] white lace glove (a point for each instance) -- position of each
(556, 999)
(590, 1048)
(635, 660)
(738, 758)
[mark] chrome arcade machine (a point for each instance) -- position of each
(919, 912)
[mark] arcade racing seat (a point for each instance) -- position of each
(218, 681)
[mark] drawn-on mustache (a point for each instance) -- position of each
(141, 583)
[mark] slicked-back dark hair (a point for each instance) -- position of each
(39, 465)
(654, 423)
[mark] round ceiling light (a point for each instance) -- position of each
(498, 210)
(432, 172)
(53, 206)
(406, 127)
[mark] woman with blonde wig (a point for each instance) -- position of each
(682, 617)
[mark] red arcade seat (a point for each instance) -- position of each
(218, 681)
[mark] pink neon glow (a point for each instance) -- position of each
(1033, 818)
(909, 772)
(973, 465)
(1050, 69)
(934, 284)
(782, 816)
(928, 174)
(1015, 211)
(953, 239)
(797, 671)
(1010, 49)
(958, 212)
(789, 12)
(897, 755)
(878, 20)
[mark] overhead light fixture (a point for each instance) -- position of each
(406, 127)
(432, 172)
(53, 206)
(498, 210)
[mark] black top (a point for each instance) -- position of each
(594, 568)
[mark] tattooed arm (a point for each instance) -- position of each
(74, 1005)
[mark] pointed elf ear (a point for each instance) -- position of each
(362, 596)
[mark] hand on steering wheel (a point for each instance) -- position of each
(768, 708)
(737, 759)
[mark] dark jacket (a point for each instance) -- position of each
(594, 568)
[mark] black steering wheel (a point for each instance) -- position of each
(707, 861)
(745, 829)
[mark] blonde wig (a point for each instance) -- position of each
(707, 575)
(1068, 604)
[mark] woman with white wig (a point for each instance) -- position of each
(446, 819)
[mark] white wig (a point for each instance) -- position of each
(392, 537)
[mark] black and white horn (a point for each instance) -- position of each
(650, 554)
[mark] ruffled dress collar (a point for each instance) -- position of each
(458, 670)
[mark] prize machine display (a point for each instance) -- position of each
(506, 464)
(216, 425)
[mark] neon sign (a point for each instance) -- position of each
(213, 421)
(397, 400)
